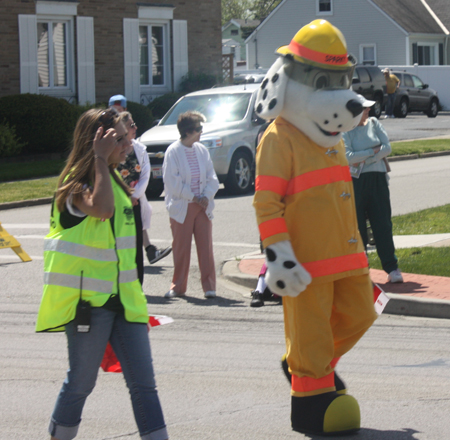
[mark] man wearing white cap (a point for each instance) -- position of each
(366, 147)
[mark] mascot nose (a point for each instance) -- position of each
(354, 107)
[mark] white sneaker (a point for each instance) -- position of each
(173, 294)
(385, 116)
(210, 294)
(395, 276)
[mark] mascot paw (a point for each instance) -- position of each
(325, 414)
(285, 276)
(341, 388)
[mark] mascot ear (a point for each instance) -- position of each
(270, 99)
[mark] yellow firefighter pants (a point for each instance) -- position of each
(323, 323)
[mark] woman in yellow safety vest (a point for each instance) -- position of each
(91, 288)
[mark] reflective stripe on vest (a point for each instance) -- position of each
(128, 276)
(79, 250)
(126, 242)
(74, 281)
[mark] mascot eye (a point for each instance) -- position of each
(321, 81)
(344, 83)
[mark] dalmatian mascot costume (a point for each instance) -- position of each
(306, 216)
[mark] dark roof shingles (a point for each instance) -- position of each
(411, 15)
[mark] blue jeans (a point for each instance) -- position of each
(131, 345)
(390, 104)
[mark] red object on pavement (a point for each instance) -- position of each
(110, 363)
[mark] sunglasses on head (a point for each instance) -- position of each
(108, 118)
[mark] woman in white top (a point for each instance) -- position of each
(190, 184)
(135, 171)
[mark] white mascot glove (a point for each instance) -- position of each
(285, 276)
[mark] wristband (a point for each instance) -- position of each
(96, 156)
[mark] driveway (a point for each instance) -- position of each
(417, 126)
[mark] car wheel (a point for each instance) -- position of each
(402, 109)
(239, 179)
(377, 107)
(433, 109)
(154, 189)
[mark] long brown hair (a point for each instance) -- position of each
(80, 167)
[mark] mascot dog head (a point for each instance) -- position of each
(309, 85)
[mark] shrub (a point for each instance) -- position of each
(162, 104)
(142, 116)
(192, 82)
(45, 124)
(10, 145)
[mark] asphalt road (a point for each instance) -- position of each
(217, 364)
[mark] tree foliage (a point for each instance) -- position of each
(247, 9)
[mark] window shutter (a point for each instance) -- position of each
(131, 59)
(441, 54)
(85, 60)
(28, 54)
(180, 52)
(415, 53)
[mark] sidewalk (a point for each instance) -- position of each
(419, 295)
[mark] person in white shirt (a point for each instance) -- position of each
(190, 184)
(135, 171)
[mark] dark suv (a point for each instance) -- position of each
(414, 95)
(369, 82)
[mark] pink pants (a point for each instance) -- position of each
(198, 224)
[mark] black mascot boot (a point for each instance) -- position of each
(325, 414)
(338, 382)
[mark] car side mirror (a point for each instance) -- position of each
(425, 86)
(355, 81)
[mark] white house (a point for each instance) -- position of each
(379, 32)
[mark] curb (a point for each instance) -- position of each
(24, 203)
(418, 156)
(43, 201)
(398, 304)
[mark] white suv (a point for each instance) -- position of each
(229, 133)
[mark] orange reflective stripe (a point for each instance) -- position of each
(314, 178)
(307, 384)
(319, 57)
(271, 183)
(272, 227)
(335, 265)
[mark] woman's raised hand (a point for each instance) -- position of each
(104, 145)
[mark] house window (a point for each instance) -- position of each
(324, 7)
(151, 55)
(368, 54)
(234, 32)
(52, 53)
(427, 54)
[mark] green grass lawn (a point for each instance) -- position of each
(419, 260)
(427, 221)
(419, 147)
(27, 189)
(30, 170)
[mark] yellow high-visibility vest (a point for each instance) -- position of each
(93, 260)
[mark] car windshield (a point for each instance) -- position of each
(216, 107)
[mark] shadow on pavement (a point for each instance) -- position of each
(376, 434)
